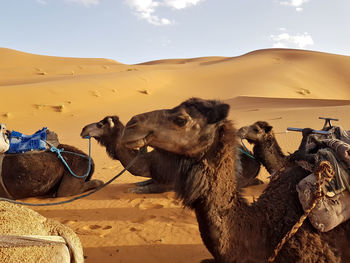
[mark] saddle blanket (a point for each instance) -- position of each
(20, 143)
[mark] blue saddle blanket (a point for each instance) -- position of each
(20, 143)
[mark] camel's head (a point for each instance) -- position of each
(188, 129)
(256, 132)
(110, 125)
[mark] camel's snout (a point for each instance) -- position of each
(242, 132)
(84, 133)
(91, 130)
(136, 133)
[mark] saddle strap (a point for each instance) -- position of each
(3, 188)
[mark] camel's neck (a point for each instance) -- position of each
(118, 151)
(225, 224)
(270, 155)
(209, 187)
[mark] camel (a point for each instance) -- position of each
(26, 236)
(198, 132)
(158, 165)
(266, 148)
(41, 173)
(267, 151)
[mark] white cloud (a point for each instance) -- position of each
(295, 3)
(85, 2)
(146, 9)
(181, 4)
(285, 40)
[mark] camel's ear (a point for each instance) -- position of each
(110, 122)
(267, 128)
(218, 113)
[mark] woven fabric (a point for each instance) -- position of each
(20, 143)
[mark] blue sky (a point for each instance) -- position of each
(134, 31)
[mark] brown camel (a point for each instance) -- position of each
(159, 165)
(266, 148)
(198, 132)
(42, 173)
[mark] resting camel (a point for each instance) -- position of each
(159, 165)
(42, 173)
(25, 237)
(198, 132)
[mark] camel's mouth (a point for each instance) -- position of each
(138, 143)
(250, 141)
(91, 130)
(85, 135)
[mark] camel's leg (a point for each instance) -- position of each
(153, 188)
(71, 185)
(144, 183)
(92, 184)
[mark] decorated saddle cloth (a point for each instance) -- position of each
(20, 143)
(334, 207)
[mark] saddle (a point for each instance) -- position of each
(39, 141)
(334, 207)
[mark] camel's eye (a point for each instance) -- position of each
(99, 125)
(255, 130)
(180, 121)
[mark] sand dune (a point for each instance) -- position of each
(284, 87)
(263, 102)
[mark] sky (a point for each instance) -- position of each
(135, 31)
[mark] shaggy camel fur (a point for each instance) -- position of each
(18, 220)
(42, 173)
(232, 230)
(159, 165)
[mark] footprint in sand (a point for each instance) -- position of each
(144, 204)
(94, 227)
(133, 229)
(143, 219)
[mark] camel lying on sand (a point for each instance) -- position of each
(159, 165)
(26, 236)
(201, 137)
(42, 173)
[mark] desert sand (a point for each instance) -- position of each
(287, 88)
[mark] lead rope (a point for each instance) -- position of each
(246, 151)
(325, 168)
(59, 155)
